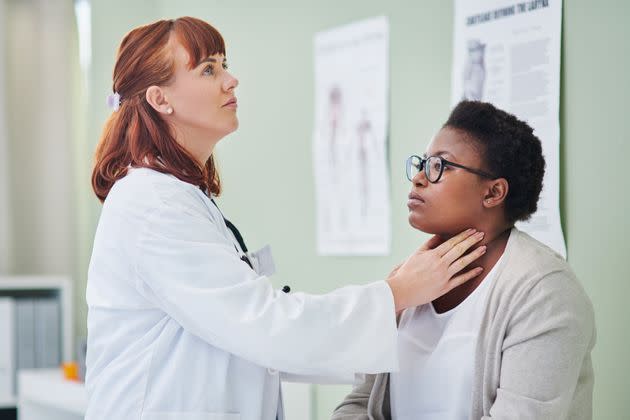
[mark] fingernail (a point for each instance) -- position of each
(480, 234)
(471, 230)
(483, 249)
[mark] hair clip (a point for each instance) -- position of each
(113, 101)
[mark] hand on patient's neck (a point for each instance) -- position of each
(495, 240)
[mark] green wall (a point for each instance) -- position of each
(267, 168)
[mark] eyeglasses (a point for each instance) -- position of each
(434, 167)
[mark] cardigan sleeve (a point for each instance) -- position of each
(369, 400)
(355, 405)
(545, 363)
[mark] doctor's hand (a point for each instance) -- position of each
(393, 272)
(434, 269)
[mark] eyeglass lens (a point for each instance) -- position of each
(432, 167)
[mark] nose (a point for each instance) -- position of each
(230, 83)
(420, 179)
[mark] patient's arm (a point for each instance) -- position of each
(545, 368)
(356, 404)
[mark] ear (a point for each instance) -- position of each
(157, 99)
(496, 193)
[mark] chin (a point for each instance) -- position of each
(234, 125)
(419, 222)
(432, 226)
(229, 129)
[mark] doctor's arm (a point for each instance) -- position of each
(186, 267)
(346, 378)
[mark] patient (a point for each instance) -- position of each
(514, 342)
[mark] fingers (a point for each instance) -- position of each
(448, 245)
(463, 262)
(460, 248)
(463, 278)
(431, 243)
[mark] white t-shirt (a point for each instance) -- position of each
(436, 353)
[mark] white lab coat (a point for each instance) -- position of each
(180, 328)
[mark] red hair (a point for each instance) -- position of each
(136, 135)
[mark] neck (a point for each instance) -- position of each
(197, 143)
(495, 240)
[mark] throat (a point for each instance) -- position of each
(495, 248)
(452, 299)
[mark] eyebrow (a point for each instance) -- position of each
(210, 60)
(440, 153)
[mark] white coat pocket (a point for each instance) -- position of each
(188, 415)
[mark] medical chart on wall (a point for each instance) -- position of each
(350, 139)
(508, 53)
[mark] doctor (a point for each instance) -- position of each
(180, 324)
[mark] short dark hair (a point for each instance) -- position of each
(510, 150)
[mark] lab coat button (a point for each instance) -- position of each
(272, 371)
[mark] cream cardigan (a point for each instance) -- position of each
(533, 355)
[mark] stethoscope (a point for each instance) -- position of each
(241, 243)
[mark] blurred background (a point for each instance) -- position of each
(56, 61)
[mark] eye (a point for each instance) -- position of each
(208, 70)
(225, 66)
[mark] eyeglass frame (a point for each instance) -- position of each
(423, 165)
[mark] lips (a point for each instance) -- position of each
(415, 196)
(231, 102)
(415, 200)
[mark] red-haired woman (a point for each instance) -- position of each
(181, 324)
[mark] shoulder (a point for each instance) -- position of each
(537, 278)
(534, 255)
(147, 189)
(527, 261)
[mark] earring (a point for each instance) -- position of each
(169, 110)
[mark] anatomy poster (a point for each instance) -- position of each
(350, 139)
